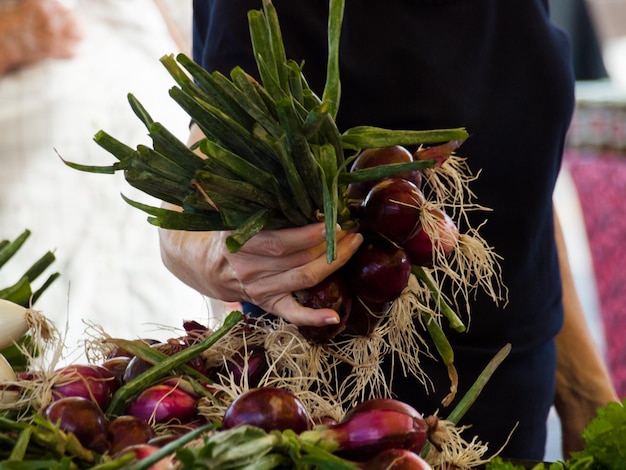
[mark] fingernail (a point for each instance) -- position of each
(332, 320)
(356, 240)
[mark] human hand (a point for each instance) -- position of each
(574, 416)
(582, 387)
(35, 30)
(583, 382)
(266, 270)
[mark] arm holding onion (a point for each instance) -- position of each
(267, 269)
(583, 383)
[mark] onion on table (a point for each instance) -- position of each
(156, 419)
(88, 381)
(124, 431)
(268, 408)
(396, 459)
(83, 418)
(24, 331)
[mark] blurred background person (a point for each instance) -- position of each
(65, 70)
(34, 30)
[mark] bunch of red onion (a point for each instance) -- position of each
(401, 229)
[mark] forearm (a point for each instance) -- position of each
(193, 258)
(583, 383)
(188, 254)
(181, 253)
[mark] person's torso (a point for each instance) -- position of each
(500, 69)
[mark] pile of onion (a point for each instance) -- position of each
(368, 435)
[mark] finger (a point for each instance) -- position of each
(347, 245)
(293, 312)
(303, 277)
(74, 28)
(278, 264)
(285, 241)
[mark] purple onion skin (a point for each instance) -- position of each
(365, 316)
(92, 382)
(333, 292)
(135, 367)
(379, 271)
(268, 408)
(373, 157)
(440, 153)
(117, 366)
(161, 403)
(126, 430)
(392, 210)
(396, 459)
(366, 434)
(257, 365)
(196, 332)
(83, 418)
(386, 404)
(420, 246)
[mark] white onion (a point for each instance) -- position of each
(13, 323)
(7, 375)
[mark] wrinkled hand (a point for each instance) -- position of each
(35, 30)
(583, 382)
(574, 417)
(266, 271)
(576, 406)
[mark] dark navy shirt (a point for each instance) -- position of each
(501, 70)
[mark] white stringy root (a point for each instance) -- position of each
(472, 264)
(453, 450)
(36, 392)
